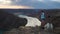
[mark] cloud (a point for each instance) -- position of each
(5, 2)
(39, 0)
(56, 0)
(37, 4)
(48, 1)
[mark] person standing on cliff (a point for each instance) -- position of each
(42, 19)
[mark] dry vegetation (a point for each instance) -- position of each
(24, 30)
(31, 30)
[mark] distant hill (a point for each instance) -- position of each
(21, 10)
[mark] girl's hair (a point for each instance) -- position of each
(42, 11)
(49, 16)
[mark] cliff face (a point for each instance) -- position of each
(53, 12)
(54, 17)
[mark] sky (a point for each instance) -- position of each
(35, 4)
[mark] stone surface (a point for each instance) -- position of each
(28, 30)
